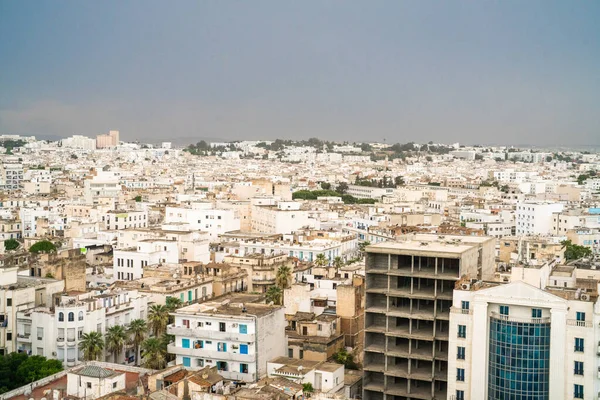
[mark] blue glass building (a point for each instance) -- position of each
(519, 358)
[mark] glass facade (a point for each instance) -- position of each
(519, 359)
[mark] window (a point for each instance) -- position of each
(243, 349)
(200, 324)
(40, 333)
(71, 317)
(9, 302)
(536, 313)
(185, 343)
(578, 368)
(301, 355)
(462, 331)
(8, 336)
(460, 395)
(291, 353)
(61, 317)
(244, 368)
(186, 362)
(243, 328)
(80, 315)
(114, 385)
(465, 305)
(578, 344)
(319, 327)
(221, 346)
(578, 392)
(503, 310)
(89, 385)
(222, 366)
(460, 374)
(222, 327)
(460, 353)
(580, 316)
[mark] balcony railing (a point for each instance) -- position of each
(583, 324)
(228, 355)
(207, 334)
(510, 318)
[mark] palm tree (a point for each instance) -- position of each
(153, 353)
(283, 279)
(274, 294)
(137, 330)
(173, 303)
(158, 318)
(321, 260)
(92, 345)
(116, 337)
(338, 263)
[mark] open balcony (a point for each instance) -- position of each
(209, 334)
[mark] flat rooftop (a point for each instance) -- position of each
(414, 246)
(232, 304)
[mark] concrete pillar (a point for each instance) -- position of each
(479, 338)
(558, 322)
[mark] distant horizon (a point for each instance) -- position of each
(478, 72)
(185, 141)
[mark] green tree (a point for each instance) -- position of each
(43, 246)
(158, 319)
(92, 345)
(338, 263)
(325, 185)
(399, 181)
(362, 246)
(173, 303)
(138, 198)
(274, 294)
(342, 188)
(343, 357)
(115, 338)
(153, 353)
(35, 368)
(321, 260)
(137, 330)
(11, 244)
(283, 278)
(307, 388)
(574, 251)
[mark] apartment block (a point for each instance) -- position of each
(237, 334)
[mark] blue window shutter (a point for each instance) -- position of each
(243, 328)
(185, 343)
(243, 349)
(186, 361)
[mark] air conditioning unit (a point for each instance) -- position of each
(54, 353)
(234, 325)
(465, 286)
(584, 297)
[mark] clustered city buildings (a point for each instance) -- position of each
(280, 269)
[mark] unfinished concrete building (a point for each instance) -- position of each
(409, 287)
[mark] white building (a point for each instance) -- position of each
(79, 142)
(18, 293)
(236, 336)
(124, 219)
(269, 216)
(203, 216)
(56, 333)
(518, 341)
(535, 218)
(129, 263)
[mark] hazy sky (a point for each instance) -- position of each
(509, 71)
